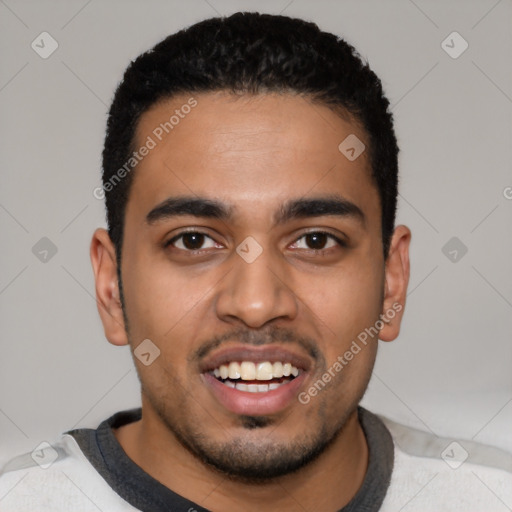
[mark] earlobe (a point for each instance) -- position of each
(396, 281)
(104, 264)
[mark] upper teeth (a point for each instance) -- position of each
(247, 370)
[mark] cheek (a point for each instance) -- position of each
(346, 300)
(163, 302)
(345, 304)
(167, 307)
(346, 310)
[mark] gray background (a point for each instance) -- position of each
(450, 370)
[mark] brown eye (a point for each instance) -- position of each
(317, 241)
(192, 241)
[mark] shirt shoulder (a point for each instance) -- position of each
(434, 473)
(56, 477)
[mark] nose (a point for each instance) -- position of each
(256, 292)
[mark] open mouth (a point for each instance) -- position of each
(255, 377)
(249, 380)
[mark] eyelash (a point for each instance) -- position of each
(340, 242)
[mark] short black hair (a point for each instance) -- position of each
(251, 53)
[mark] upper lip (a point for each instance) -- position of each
(256, 354)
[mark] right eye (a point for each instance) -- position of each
(191, 241)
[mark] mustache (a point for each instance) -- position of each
(267, 336)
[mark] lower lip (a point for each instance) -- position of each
(254, 404)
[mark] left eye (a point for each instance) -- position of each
(317, 241)
(192, 241)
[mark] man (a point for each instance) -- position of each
(252, 263)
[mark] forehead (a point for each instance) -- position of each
(252, 152)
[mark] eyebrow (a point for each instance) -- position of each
(331, 205)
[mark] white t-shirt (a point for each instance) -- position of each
(409, 470)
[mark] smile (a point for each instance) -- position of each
(248, 380)
(235, 373)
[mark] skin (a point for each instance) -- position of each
(253, 153)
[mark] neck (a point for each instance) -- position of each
(328, 483)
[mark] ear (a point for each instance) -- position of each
(397, 278)
(104, 264)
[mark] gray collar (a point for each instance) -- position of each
(142, 491)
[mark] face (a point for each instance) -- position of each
(252, 259)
